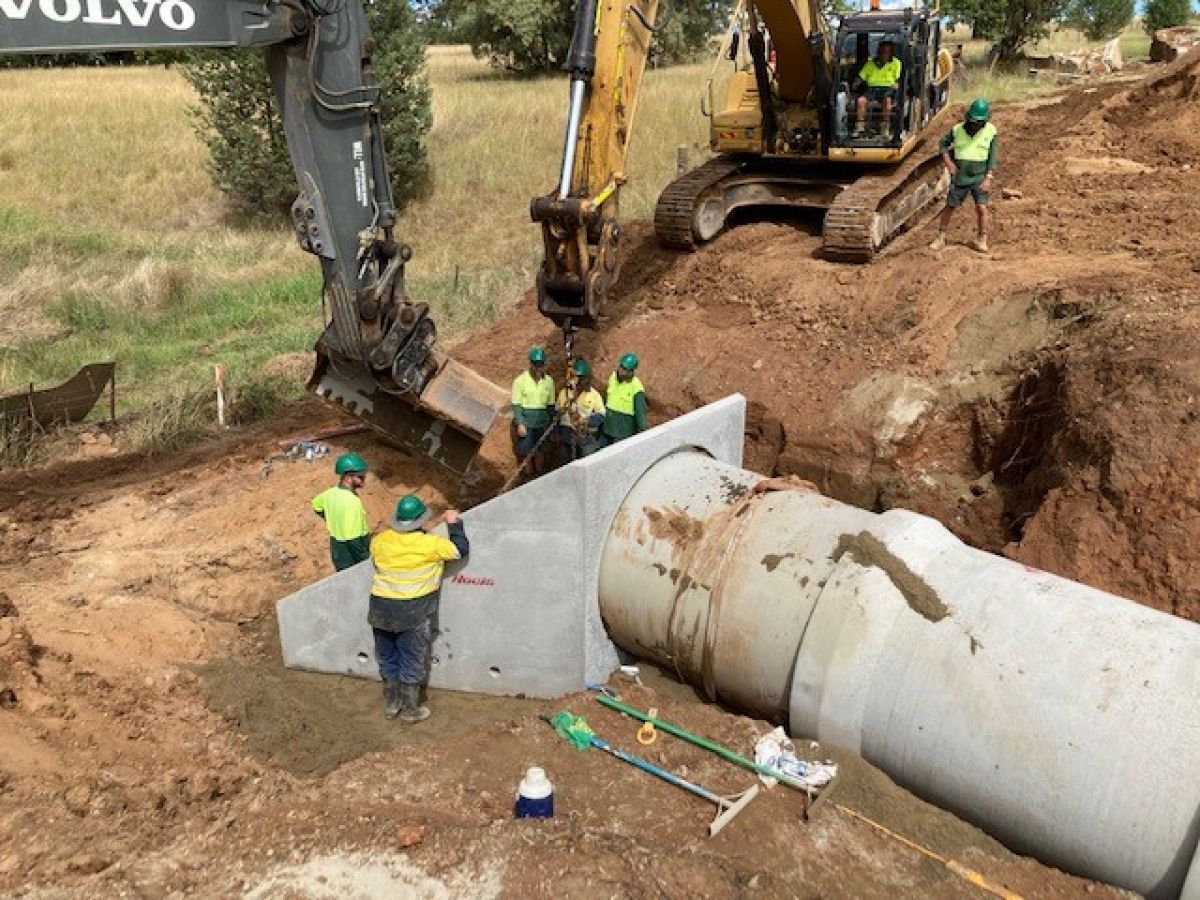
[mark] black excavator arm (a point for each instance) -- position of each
(376, 357)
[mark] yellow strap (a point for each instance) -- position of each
(963, 872)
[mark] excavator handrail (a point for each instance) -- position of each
(722, 49)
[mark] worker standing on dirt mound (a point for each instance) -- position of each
(344, 513)
(409, 562)
(626, 402)
(582, 410)
(533, 408)
(969, 152)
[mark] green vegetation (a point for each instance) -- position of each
(1167, 14)
(118, 245)
(1099, 19)
(238, 120)
(533, 36)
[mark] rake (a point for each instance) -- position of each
(727, 807)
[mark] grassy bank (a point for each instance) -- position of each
(116, 245)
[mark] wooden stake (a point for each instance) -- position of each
(219, 377)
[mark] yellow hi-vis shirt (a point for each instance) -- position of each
(409, 565)
(345, 515)
(621, 393)
(877, 76)
(587, 403)
(530, 394)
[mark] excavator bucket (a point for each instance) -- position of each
(446, 422)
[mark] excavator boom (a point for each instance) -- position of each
(580, 230)
(377, 356)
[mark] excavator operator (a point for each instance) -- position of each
(879, 77)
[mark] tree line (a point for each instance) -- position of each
(237, 119)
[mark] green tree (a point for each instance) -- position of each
(533, 36)
(1009, 24)
(239, 122)
(1166, 14)
(1099, 19)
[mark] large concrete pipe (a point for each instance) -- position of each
(1062, 719)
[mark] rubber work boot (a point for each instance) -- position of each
(939, 242)
(392, 701)
(980, 244)
(411, 710)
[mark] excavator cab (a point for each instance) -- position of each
(886, 121)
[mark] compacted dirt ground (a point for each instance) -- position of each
(1041, 400)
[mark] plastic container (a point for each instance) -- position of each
(535, 796)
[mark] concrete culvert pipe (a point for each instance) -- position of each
(1062, 719)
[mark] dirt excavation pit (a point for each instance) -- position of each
(1041, 400)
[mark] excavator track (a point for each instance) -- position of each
(877, 207)
(675, 211)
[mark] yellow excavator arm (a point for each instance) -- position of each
(579, 223)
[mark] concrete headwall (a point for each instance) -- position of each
(520, 616)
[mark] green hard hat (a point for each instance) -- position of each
(410, 513)
(537, 355)
(979, 111)
(581, 368)
(350, 464)
(629, 362)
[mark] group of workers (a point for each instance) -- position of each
(409, 560)
(577, 420)
(969, 149)
(409, 563)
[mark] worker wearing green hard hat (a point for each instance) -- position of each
(581, 411)
(969, 152)
(344, 514)
(533, 409)
(625, 401)
(405, 593)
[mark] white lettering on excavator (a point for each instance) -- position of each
(178, 15)
(360, 174)
(69, 13)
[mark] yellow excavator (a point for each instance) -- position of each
(795, 128)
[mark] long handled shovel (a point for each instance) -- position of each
(727, 807)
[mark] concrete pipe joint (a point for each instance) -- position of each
(1062, 719)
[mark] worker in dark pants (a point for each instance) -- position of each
(344, 514)
(409, 562)
(625, 402)
(533, 410)
(581, 409)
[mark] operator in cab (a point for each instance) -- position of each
(878, 81)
